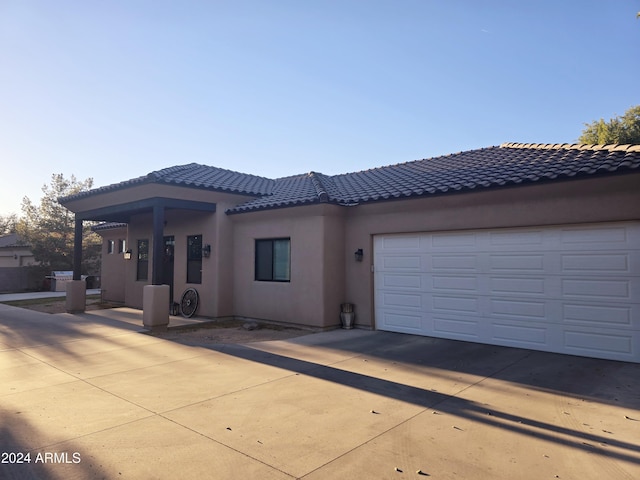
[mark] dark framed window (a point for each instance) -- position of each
(142, 272)
(273, 260)
(122, 246)
(194, 259)
(110, 246)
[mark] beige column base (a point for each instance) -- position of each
(155, 306)
(76, 299)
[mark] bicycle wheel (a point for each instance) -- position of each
(189, 302)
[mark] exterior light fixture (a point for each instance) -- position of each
(359, 254)
(206, 250)
(127, 254)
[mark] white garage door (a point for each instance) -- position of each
(568, 289)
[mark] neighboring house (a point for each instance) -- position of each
(527, 245)
(14, 252)
(14, 255)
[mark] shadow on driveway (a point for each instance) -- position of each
(583, 379)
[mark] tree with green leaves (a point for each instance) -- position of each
(623, 129)
(49, 227)
(8, 224)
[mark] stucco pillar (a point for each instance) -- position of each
(155, 297)
(76, 299)
(155, 306)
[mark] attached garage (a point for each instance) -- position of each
(571, 289)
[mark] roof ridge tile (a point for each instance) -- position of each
(573, 146)
(321, 192)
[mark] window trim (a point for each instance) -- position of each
(257, 260)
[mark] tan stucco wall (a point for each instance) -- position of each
(180, 224)
(579, 201)
(315, 291)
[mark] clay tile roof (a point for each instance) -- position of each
(492, 167)
(507, 164)
(12, 240)
(107, 226)
(195, 176)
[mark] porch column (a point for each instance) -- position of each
(76, 299)
(155, 297)
(158, 245)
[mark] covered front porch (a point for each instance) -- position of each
(157, 281)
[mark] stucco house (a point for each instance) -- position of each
(528, 245)
(14, 252)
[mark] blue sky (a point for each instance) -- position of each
(116, 89)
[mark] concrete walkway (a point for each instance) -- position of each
(88, 396)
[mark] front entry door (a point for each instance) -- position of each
(167, 264)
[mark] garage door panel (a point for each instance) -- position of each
(591, 314)
(457, 328)
(596, 343)
(589, 264)
(402, 262)
(401, 281)
(455, 283)
(517, 263)
(446, 303)
(525, 336)
(453, 263)
(403, 300)
(406, 243)
(599, 287)
(519, 310)
(517, 285)
(452, 241)
(403, 322)
(567, 289)
(596, 236)
(517, 239)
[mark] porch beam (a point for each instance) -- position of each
(123, 212)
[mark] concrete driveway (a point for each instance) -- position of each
(88, 396)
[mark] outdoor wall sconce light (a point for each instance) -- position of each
(127, 255)
(359, 254)
(206, 250)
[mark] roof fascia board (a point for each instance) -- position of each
(123, 212)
